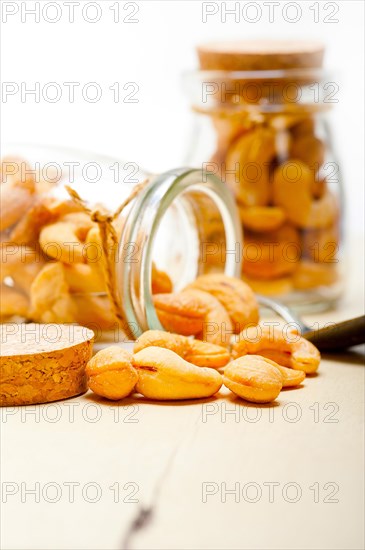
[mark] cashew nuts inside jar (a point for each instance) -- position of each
(89, 239)
(263, 110)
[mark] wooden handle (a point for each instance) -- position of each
(339, 335)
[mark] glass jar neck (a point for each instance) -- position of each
(279, 91)
(179, 189)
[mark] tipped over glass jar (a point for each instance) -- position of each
(262, 109)
(57, 244)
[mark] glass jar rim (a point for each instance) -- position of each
(149, 208)
(222, 92)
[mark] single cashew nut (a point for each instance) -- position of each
(292, 190)
(253, 378)
(110, 373)
(50, 297)
(217, 327)
(287, 350)
(85, 278)
(181, 312)
(164, 375)
(262, 218)
(247, 166)
(81, 222)
(59, 241)
(201, 354)
(29, 226)
(236, 297)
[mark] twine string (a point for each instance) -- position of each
(108, 235)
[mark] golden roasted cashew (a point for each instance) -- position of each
(247, 166)
(217, 327)
(110, 373)
(287, 350)
(201, 354)
(60, 241)
(236, 297)
(292, 190)
(253, 378)
(164, 375)
(29, 226)
(50, 297)
(181, 313)
(85, 278)
(81, 222)
(262, 218)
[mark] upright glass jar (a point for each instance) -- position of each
(53, 258)
(262, 110)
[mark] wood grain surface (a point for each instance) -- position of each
(210, 474)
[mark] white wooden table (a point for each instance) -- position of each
(220, 474)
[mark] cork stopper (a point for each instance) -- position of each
(42, 363)
(260, 55)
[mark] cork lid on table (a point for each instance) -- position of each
(40, 363)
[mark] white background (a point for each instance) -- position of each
(153, 53)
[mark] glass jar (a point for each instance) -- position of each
(262, 111)
(53, 257)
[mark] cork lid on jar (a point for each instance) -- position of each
(260, 55)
